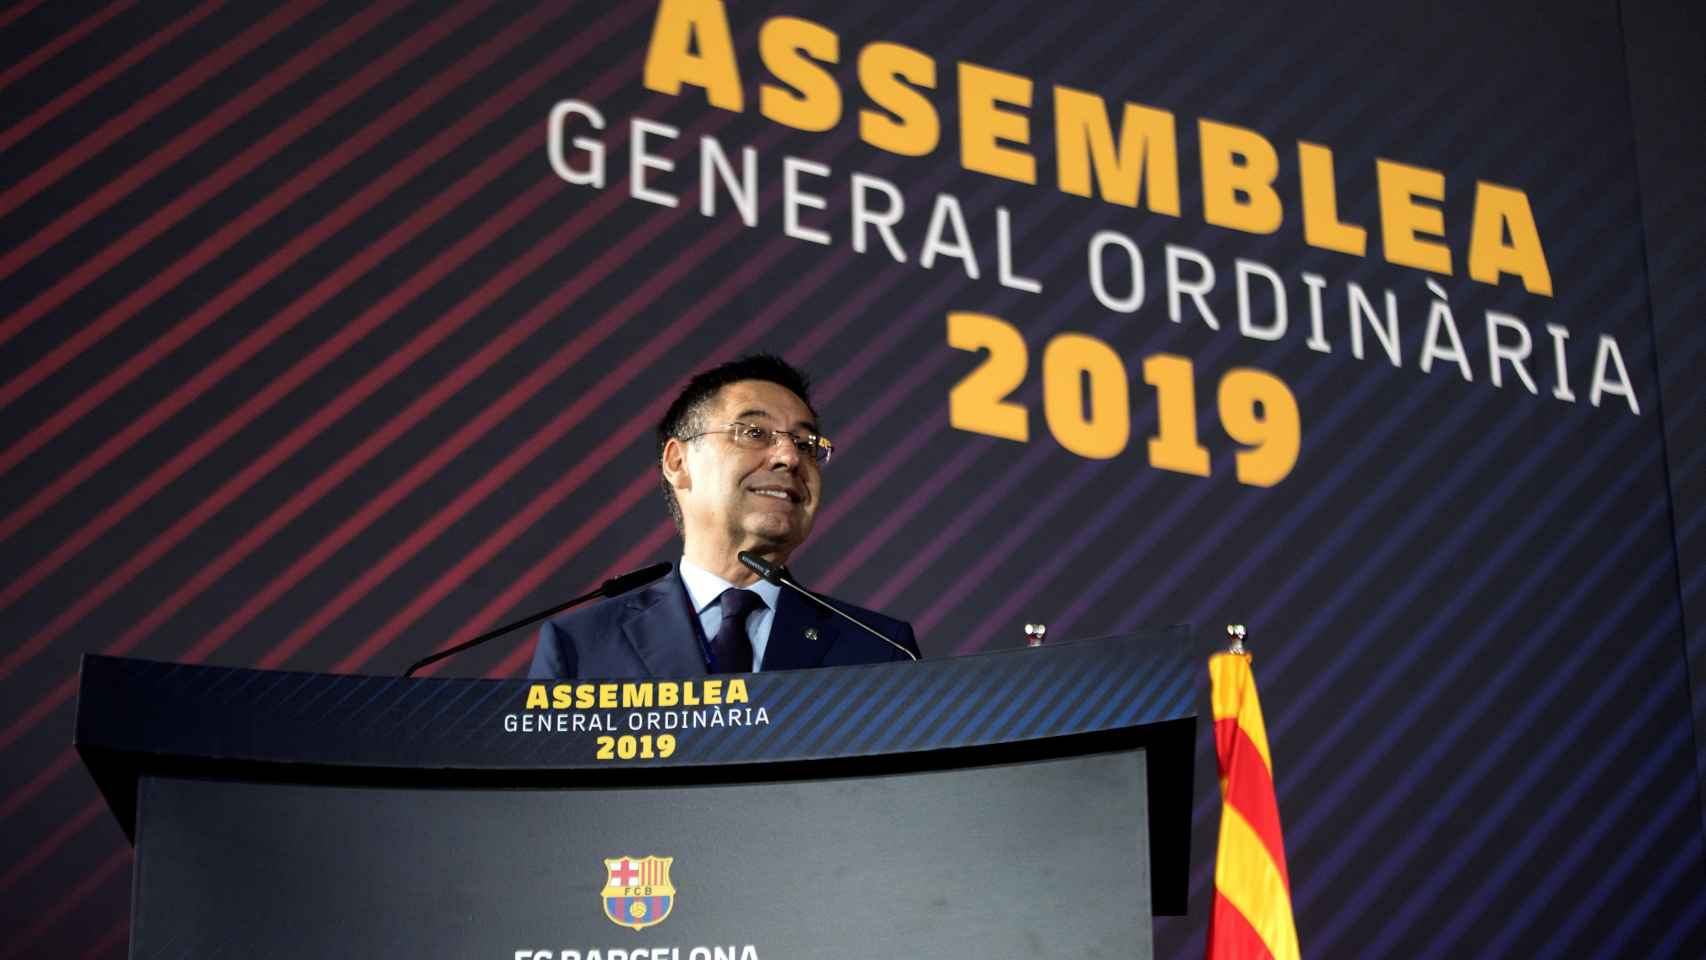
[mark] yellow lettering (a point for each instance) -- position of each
(1238, 171)
(636, 695)
(984, 125)
(669, 694)
(536, 697)
(791, 49)
(671, 62)
(607, 696)
(737, 691)
(1499, 210)
(1072, 361)
(915, 129)
(1147, 151)
(979, 402)
(1402, 218)
(689, 694)
(1321, 224)
(713, 692)
(584, 694)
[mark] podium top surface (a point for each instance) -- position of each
(222, 714)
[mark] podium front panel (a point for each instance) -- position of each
(979, 861)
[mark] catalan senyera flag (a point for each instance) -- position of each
(1251, 919)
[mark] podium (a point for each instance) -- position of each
(1031, 802)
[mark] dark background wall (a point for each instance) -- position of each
(1668, 41)
(309, 360)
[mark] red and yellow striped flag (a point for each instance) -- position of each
(1252, 891)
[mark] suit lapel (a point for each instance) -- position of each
(660, 628)
(800, 635)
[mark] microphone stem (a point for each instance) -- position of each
(492, 634)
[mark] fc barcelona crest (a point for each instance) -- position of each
(637, 893)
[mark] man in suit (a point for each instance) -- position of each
(740, 461)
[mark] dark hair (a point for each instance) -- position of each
(686, 415)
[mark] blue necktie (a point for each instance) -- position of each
(731, 647)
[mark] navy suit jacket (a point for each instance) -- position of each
(651, 632)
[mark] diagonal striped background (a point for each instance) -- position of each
(308, 360)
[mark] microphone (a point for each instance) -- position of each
(625, 582)
(609, 588)
(780, 576)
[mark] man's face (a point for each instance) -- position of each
(734, 498)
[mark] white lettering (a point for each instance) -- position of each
(883, 220)
(1497, 350)
(1004, 256)
(1360, 309)
(1608, 350)
(1439, 318)
(1560, 388)
(1247, 325)
(793, 198)
(743, 190)
(1195, 289)
(593, 173)
(640, 161)
(1134, 263)
(1317, 336)
(947, 216)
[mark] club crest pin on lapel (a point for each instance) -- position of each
(637, 891)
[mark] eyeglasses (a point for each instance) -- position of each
(751, 436)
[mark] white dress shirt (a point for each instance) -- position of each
(705, 587)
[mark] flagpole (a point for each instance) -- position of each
(1235, 636)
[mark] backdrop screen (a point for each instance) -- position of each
(335, 333)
